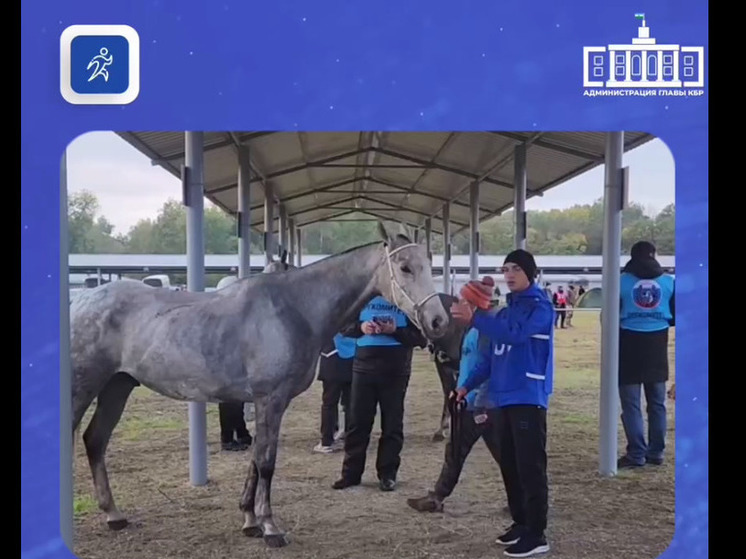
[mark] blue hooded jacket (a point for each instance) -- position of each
(519, 364)
(470, 350)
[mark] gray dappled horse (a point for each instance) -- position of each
(257, 340)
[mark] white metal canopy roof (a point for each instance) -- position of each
(398, 176)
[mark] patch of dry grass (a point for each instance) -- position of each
(590, 516)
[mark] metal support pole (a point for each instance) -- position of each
(244, 213)
(195, 203)
(66, 422)
(447, 247)
(283, 229)
(429, 239)
(299, 245)
(610, 281)
(269, 224)
(519, 193)
(292, 238)
(474, 230)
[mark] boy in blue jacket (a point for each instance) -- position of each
(519, 372)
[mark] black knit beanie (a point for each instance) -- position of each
(525, 260)
(642, 250)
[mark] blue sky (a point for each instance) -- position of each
(129, 188)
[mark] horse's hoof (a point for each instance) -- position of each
(252, 531)
(438, 438)
(276, 540)
(117, 525)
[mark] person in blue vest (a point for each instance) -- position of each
(647, 312)
(478, 419)
(335, 374)
(380, 376)
(519, 368)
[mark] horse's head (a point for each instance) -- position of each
(280, 265)
(406, 280)
(447, 348)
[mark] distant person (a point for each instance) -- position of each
(548, 290)
(647, 313)
(380, 376)
(572, 300)
(559, 300)
(335, 374)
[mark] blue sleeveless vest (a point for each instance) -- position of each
(380, 307)
(645, 302)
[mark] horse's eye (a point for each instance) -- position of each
(406, 269)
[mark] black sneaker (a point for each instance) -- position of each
(232, 446)
(512, 536)
(654, 461)
(625, 463)
(246, 439)
(387, 484)
(528, 546)
(344, 483)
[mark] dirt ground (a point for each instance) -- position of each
(631, 515)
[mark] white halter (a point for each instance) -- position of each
(395, 284)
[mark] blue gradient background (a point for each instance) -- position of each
(401, 66)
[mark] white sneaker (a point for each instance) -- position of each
(321, 449)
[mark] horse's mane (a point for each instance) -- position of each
(399, 236)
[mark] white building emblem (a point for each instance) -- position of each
(644, 64)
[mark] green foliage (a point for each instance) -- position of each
(576, 230)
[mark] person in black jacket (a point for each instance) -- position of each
(335, 374)
(380, 376)
(232, 423)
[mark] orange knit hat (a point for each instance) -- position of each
(479, 293)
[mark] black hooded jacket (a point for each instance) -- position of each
(643, 356)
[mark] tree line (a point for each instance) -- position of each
(572, 231)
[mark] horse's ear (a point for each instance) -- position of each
(403, 231)
(385, 235)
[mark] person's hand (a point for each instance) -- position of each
(369, 327)
(459, 394)
(387, 327)
(462, 312)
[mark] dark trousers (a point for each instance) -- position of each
(470, 433)
(232, 421)
(368, 392)
(333, 393)
(559, 318)
(523, 463)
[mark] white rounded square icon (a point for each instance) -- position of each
(99, 64)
